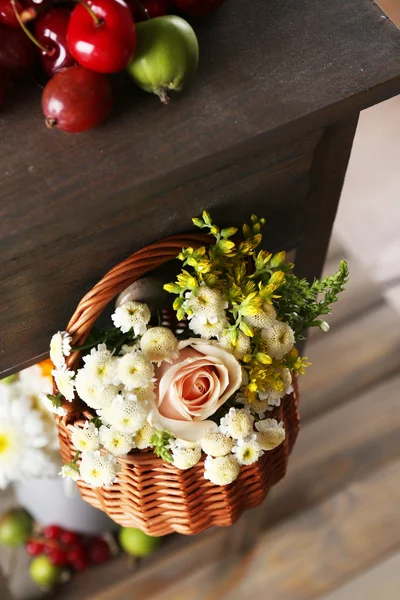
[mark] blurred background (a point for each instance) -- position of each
(331, 529)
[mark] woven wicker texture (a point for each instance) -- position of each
(150, 494)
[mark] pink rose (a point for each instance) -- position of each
(193, 387)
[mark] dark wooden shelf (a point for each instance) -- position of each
(271, 71)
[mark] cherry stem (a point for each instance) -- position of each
(95, 18)
(143, 10)
(26, 30)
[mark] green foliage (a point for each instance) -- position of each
(113, 338)
(161, 442)
(55, 400)
(97, 422)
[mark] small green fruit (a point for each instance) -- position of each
(166, 57)
(136, 543)
(44, 573)
(15, 527)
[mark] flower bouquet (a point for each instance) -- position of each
(181, 419)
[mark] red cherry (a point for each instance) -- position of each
(52, 532)
(197, 8)
(70, 538)
(17, 54)
(58, 557)
(105, 46)
(98, 551)
(34, 548)
(153, 8)
(81, 564)
(76, 99)
(51, 31)
(7, 13)
(76, 554)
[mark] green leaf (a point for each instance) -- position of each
(161, 441)
(97, 422)
(228, 232)
(55, 400)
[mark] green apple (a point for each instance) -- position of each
(136, 543)
(166, 57)
(15, 527)
(44, 573)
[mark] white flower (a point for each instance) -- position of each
(116, 442)
(271, 433)
(324, 326)
(94, 395)
(98, 470)
(60, 346)
(135, 370)
(221, 470)
(238, 423)
(86, 438)
(242, 347)
(158, 344)
(127, 416)
(185, 455)
(132, 315)
(279, 337)
(207, 329)
(264, 318)
(216, 444)
(64, 379)
(206, 304)
(101, 366)
(143, 437)
(70, 471)
(48, 404)
(33, 382)
(274, 396)
(144, 394)
(248, 450)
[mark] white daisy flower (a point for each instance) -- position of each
(60, 346)
(132, 315)
(70, 471)
(279, 337)
(116, 442)
(273, 396)
(144, 394)
(98, 470)
(86, 438)
(270, 433)
(216, 444)
(264, 318)
(242, 347)
(143, 437)
(185, 456)
(94, 395)
(127, 416)
(237, 423)
(221, 470)
(248, 450)
(206, 304)
(64, 379)
(101, 366)
(207, 329)
(48, 404)
(158, 344)
(135, 370)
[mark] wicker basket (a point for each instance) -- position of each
(150, 494)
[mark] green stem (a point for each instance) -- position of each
(76, 457)
(27, 32)
(95, 18)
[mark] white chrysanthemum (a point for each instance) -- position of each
(238, 423)
(135, 370)
(158, 344)
(221, 470)
(132, 315)
(95, 396)
(270, 433)
(32, 381)
(274, 396)
(207, 330)
(206, 304)
(64, 379)
(242, 347)
(98, 470)
(248, 450)
(264, 318)
(185, 457)
(60, 346)
(144, 394)
(101, 366)
(48, 404)
(216, 444)
(279, 337)
(86, 438)
(116, 442)
(127, 416)
(143, 437)
(70, 471)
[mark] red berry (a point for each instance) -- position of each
(52, 532)
(51, 31)
(98, 551)
(153, 8)
(76, 99)
(198, 8)
(69, 538)
(17, 53)
(76, 554)
(34, 548)
(58, 557)
(106, 45)
(81, 564)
